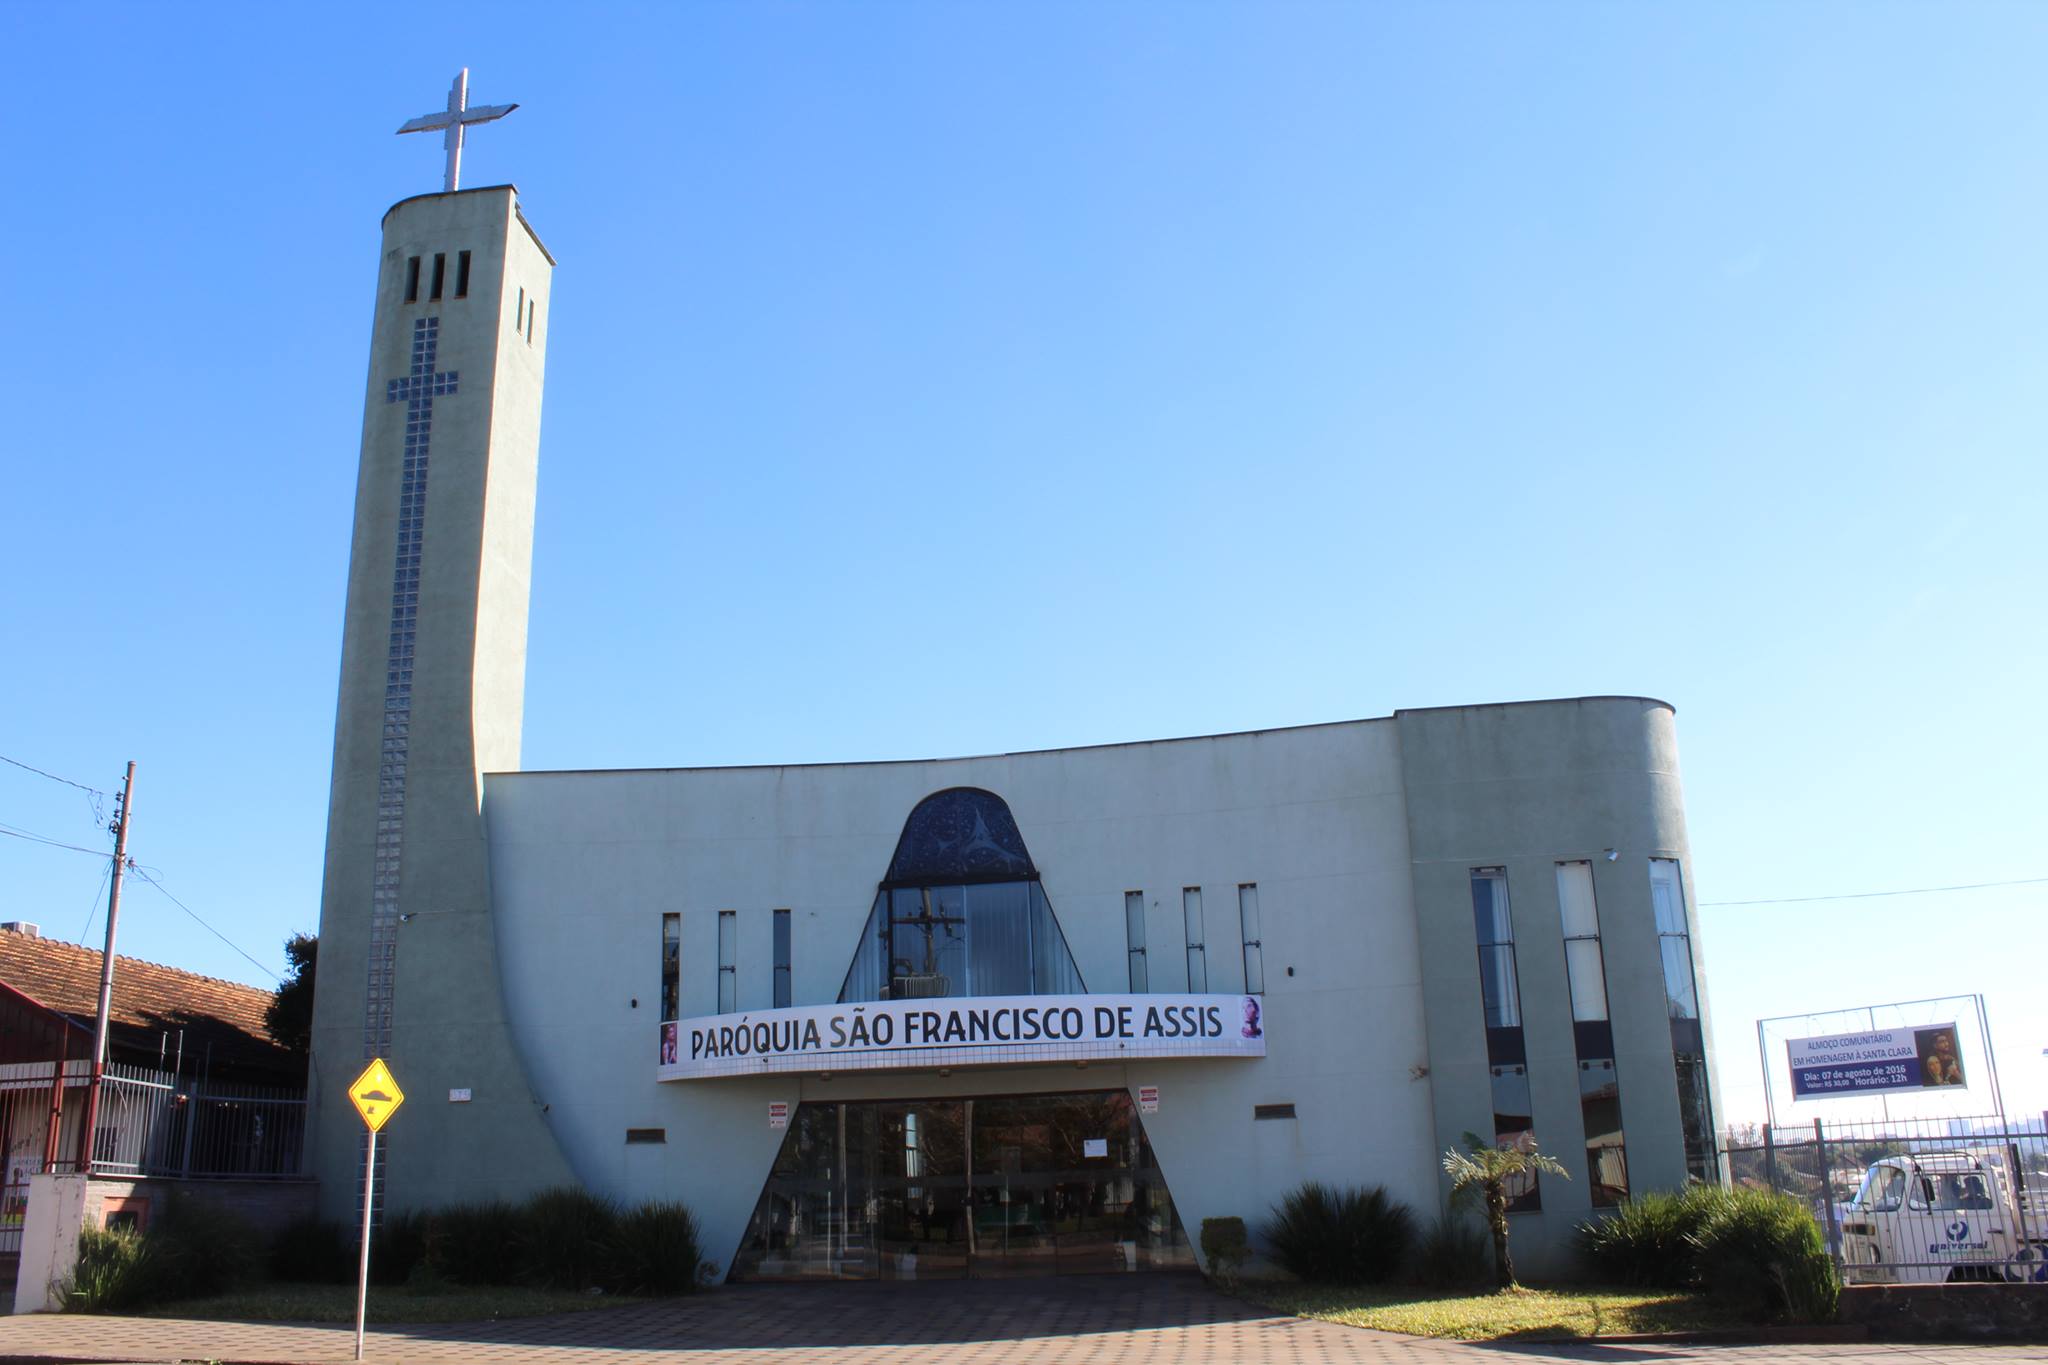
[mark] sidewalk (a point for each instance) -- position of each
(1173, 1320)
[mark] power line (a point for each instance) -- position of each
(1871, 895)
(94, 797)
(208, 927)
(53, 843)
(27, 767)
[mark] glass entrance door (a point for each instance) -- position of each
(935, 1189)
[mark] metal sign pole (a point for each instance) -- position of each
(363, 1271)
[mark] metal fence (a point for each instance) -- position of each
(150, 1123)
(1911, 1200)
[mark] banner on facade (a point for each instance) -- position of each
(1876, 1062)
(970, 1031)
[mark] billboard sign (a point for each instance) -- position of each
(1875, 1062)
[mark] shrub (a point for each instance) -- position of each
(313, 1251)
(475, 1243)
(1648, 1241)
(398, 1247)
(653, 1250)
(1340, 1236)
(1224, 1245)
(566, 1237)
(200, 1251)
(116, 1271)
(1452, 1254)
(1763, 1251)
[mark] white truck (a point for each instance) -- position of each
(1931, 1217)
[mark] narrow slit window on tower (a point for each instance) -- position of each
(412, 280)
(1254, 947)
(782, 983)
(440, 274)
(671, 966)
(728, 970)
(462, 275)
(1134, 928)
(1198, 953)
(529, 322)
(519, 313)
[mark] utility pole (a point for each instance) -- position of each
(123, 816)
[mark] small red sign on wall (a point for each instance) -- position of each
(778, 1113)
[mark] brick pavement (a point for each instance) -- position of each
(1176, 1320)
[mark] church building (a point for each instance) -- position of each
(1025, 1013)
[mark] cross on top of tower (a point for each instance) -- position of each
(454, 119)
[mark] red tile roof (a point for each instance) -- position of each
(150, 1001)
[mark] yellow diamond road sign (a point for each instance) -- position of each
(376, 1094)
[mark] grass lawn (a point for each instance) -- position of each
(337, 1303)
(1532, 1313)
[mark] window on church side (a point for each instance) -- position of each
(1592, 1034)
(782, 973)
(1198, 950)
(728, 967)
(462, 275)
(671, 967)
(1681, 995)
(1254, 942)
(1501, 1002)
(412, 280)
(1134, 929)
(529, 323)
(440, 275)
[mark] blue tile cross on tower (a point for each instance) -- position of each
(418, 389)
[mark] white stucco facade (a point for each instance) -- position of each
(498, 935)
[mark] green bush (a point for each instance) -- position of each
(1764, 1252)
(398, 1247)
(654, 1250)
(116, 1271)
(1453, 1253)
(313, 1251)
(1224, 1245)
(566, 1238)
(475, 1243)
(1649, 1240)
(1340, 1236)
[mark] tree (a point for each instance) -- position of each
(1487, 1170)
(289, 1017)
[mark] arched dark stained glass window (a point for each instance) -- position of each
(960, 911)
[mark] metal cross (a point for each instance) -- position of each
(454, 119)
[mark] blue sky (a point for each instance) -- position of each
(935, 379)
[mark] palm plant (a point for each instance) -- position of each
(1487, 1170)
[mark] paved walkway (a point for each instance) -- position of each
(1176, 1320)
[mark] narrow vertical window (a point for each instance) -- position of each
(1500, 997)
(440, 274)
(1198, 953)
(782, 983)
(462, 275)
(728, 971)
(412, 280)
(1134, 932)
(1681, 996)
(1592, 1034)
(519, 313)
(671, 967)
(1254, 948)
(529, 322)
